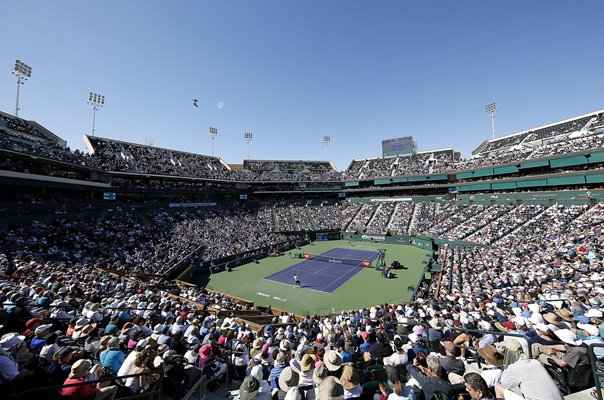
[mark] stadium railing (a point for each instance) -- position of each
(54, 392)
(597, 372)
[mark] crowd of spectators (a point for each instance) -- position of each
(275, 170)
(64, 322)
(117, 156)
(553, 140)
(315, 218)
(383, 213)
(361, 218)
(401, 217)
(20, 144)
(21, 126)
(421, 163)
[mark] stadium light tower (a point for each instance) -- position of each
(491, 109)
(22, 71)
(96, 101)
(247, 136)
(326, 140)
(213, 134)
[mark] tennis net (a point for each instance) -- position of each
(337, 260)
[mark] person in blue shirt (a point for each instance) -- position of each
(112, 357)
(40, 333)
(112, 328)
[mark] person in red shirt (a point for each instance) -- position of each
(79, 371)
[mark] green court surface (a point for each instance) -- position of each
(365, 289)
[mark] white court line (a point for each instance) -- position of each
(343, 276)
(288, 270)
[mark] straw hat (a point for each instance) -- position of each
(565, 314)
(552, 318)
(319, 374)
(349, 378)
(332, 360)
(490, 354)
(113, 343)
(307, 363)
(288, 379)
(331, 389)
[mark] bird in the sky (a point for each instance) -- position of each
(195, 102)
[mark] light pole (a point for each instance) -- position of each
(491, 109)
(326, 140)
(96, 101)
(247, 136)
(213, 134)
(22, 71)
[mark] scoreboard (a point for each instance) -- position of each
(399, 146)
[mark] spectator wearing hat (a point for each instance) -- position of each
(416, 347)
(570, 354)
(350, 382)
(279, 366)
(112, 357)
(205, 354)
(131, 357)
(240, 360)
(330, 389)
(590, 335)
(333, 362)
(63, 359)
(250, 390)
(144, 382)
(527, 379)
(366, 344)
(491, 370)
(541, 335)
(112, 328)
(79, 371)
(261, 373)
(10, 372)
(288, 384)
(37, 341)
(305, 369)
(31, 326)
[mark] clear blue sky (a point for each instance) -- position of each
(293, 71)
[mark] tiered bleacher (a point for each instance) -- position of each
(274, 170)
(129, 157)
(542, 280)
(85, 297)
(420, 163)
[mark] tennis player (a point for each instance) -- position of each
(296, 280)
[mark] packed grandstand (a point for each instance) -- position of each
(93, 241)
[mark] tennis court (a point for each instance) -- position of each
(332, 270)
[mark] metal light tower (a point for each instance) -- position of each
(247, 136)
(491, 109)
(326, 140)
(22, 71)
(96, 101)
(213, 134)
